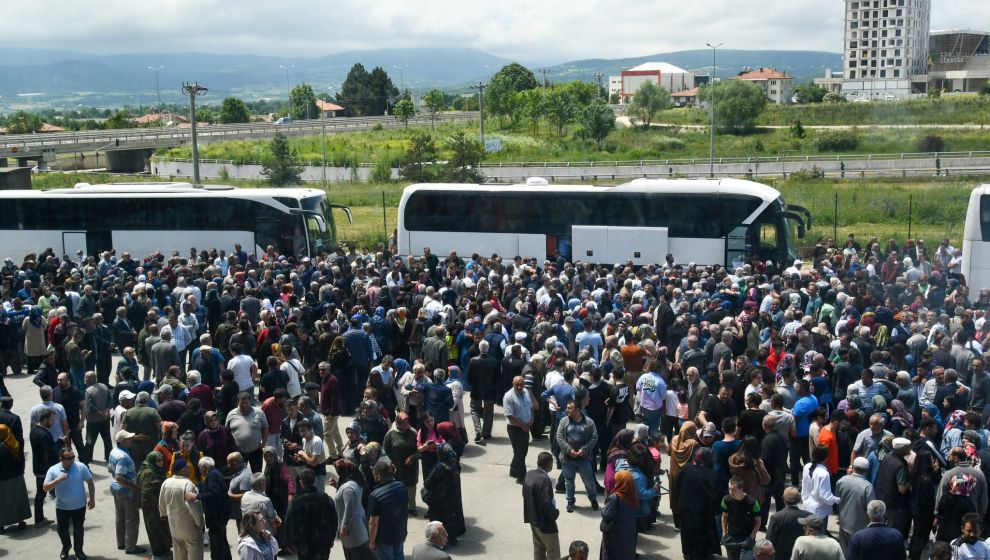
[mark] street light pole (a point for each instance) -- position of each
(544, 71)
(323, 137)
(711, 140)
(598, 79)
(158, 91)
(481, 107)
(288, 94)
(194, 90)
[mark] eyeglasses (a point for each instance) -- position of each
(70, 458)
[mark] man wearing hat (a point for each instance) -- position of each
(126, 494)
(893, 487)
(815, 544)
(854, 492)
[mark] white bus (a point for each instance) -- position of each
(712, 222)
(976, 241)
(142, 218)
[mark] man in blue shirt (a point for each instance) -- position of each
(806, 404)
(126, 494)
(877, 540)
(67, 478)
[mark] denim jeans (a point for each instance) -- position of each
(652, 419)
(389, 552)
(571, 467)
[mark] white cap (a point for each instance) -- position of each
(901, 443)
(861, 463)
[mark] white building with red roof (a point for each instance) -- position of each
(666, 76)
(776, 85)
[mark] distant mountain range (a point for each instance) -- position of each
(42, 78)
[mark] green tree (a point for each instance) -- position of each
(205, 114)
(120, 119)
(598, 120)
(532, 107)
(650, 100)
(934, 93)
(382, 91)
(465, 102)
(234, 110)
(416, 164)
(518, 76)
(500, 98)
(985, 90)
(435, 102)
(23, 122)
(463, 164)
(404, 110)
(738, 104)
(583, 93)
(561, 109)
(797, 129)
(355, 92)
(810, 92)
(281, 168)
(302, 103)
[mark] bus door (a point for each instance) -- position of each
(73, 241)
(738, 249)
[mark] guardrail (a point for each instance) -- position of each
(19, 144)
(861, 174)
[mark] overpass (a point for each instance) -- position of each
(128, 149)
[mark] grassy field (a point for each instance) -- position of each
(951, 109)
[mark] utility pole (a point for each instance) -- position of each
(481, 107)
(711, 140)
(544, 71)
(598, 79)
(194, 90)
(158, 91)
(288, 94)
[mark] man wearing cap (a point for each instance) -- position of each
(893, 487)
(783, 528)
(815, 544)
(876, 540)
(126, 493)
(854, 492)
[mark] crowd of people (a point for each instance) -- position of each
(854, 385)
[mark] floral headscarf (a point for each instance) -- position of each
(956, 420)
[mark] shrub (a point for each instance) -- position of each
(797, 129)
(378, 127)
(381, 172)
(931, 143)
(842, 141)
(808, 174)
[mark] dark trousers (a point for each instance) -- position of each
(219, 549)
(75, 517)
(482, 413)
(541, 418)
(668, 426)
(103, 367)
(349, 389)
(554, 448)
(255, 459)
(900, 519)
(94, 430)
(919, 538)
(39, 498)
(76, 436)
(601, 448)
(800, 454)
(312, 554)
(361, 372)
(520, 447)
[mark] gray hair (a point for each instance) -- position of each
(165, 390)
(483, 347)
(764, 547)
(207, 463)
(432, 530)
(258, 481)
(193, 377)
(142, 398)
(876, 510)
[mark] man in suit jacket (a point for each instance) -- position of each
(697, 390)
(783, 529)
(539, 509)
(436, 540)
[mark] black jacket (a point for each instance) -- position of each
(311, 521)
(213, 494)
(538, 507)
(783, 529)
(482, 374)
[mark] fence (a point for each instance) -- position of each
(929, 214)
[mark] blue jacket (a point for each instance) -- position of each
(359, 345)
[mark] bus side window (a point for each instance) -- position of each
(768, 235)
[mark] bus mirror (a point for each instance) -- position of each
(321, 223)
(800, 229)
(347, 210)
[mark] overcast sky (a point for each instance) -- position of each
(529, 30)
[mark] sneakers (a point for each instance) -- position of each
(570, 508)
(136, 550)
(594, 505)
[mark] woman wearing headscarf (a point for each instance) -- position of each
(353, 444)
(747, 464)
(442, 490)
(280, 487)
(428, 441)
(35, 328)
(952, 436)
(682, 448)
(400, 332)
(900, 418)
(953, 505)
(215, 441)
(450, 434)
(455, 381)
(150, 478)
(14, 504)
(169, 443)
(617, 451)
(699, 539)
(187, 452)
(618, 524)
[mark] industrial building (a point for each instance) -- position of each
(959, 60)
(667, 76)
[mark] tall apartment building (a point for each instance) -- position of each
(885, 54)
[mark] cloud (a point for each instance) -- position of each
(541, 30)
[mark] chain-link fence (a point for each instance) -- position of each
(929, 215)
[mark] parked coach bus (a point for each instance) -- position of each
(976, 241)
(142, 218)
(712, 222)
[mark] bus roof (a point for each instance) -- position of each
(158, 190)
(710, 186)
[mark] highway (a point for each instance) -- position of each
(36, 145)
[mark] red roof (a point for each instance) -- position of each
(761, 74)
(327, 106)
(46, 127)
(693, 92)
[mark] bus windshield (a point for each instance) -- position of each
(320, 229)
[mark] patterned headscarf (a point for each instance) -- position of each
(956, 420)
